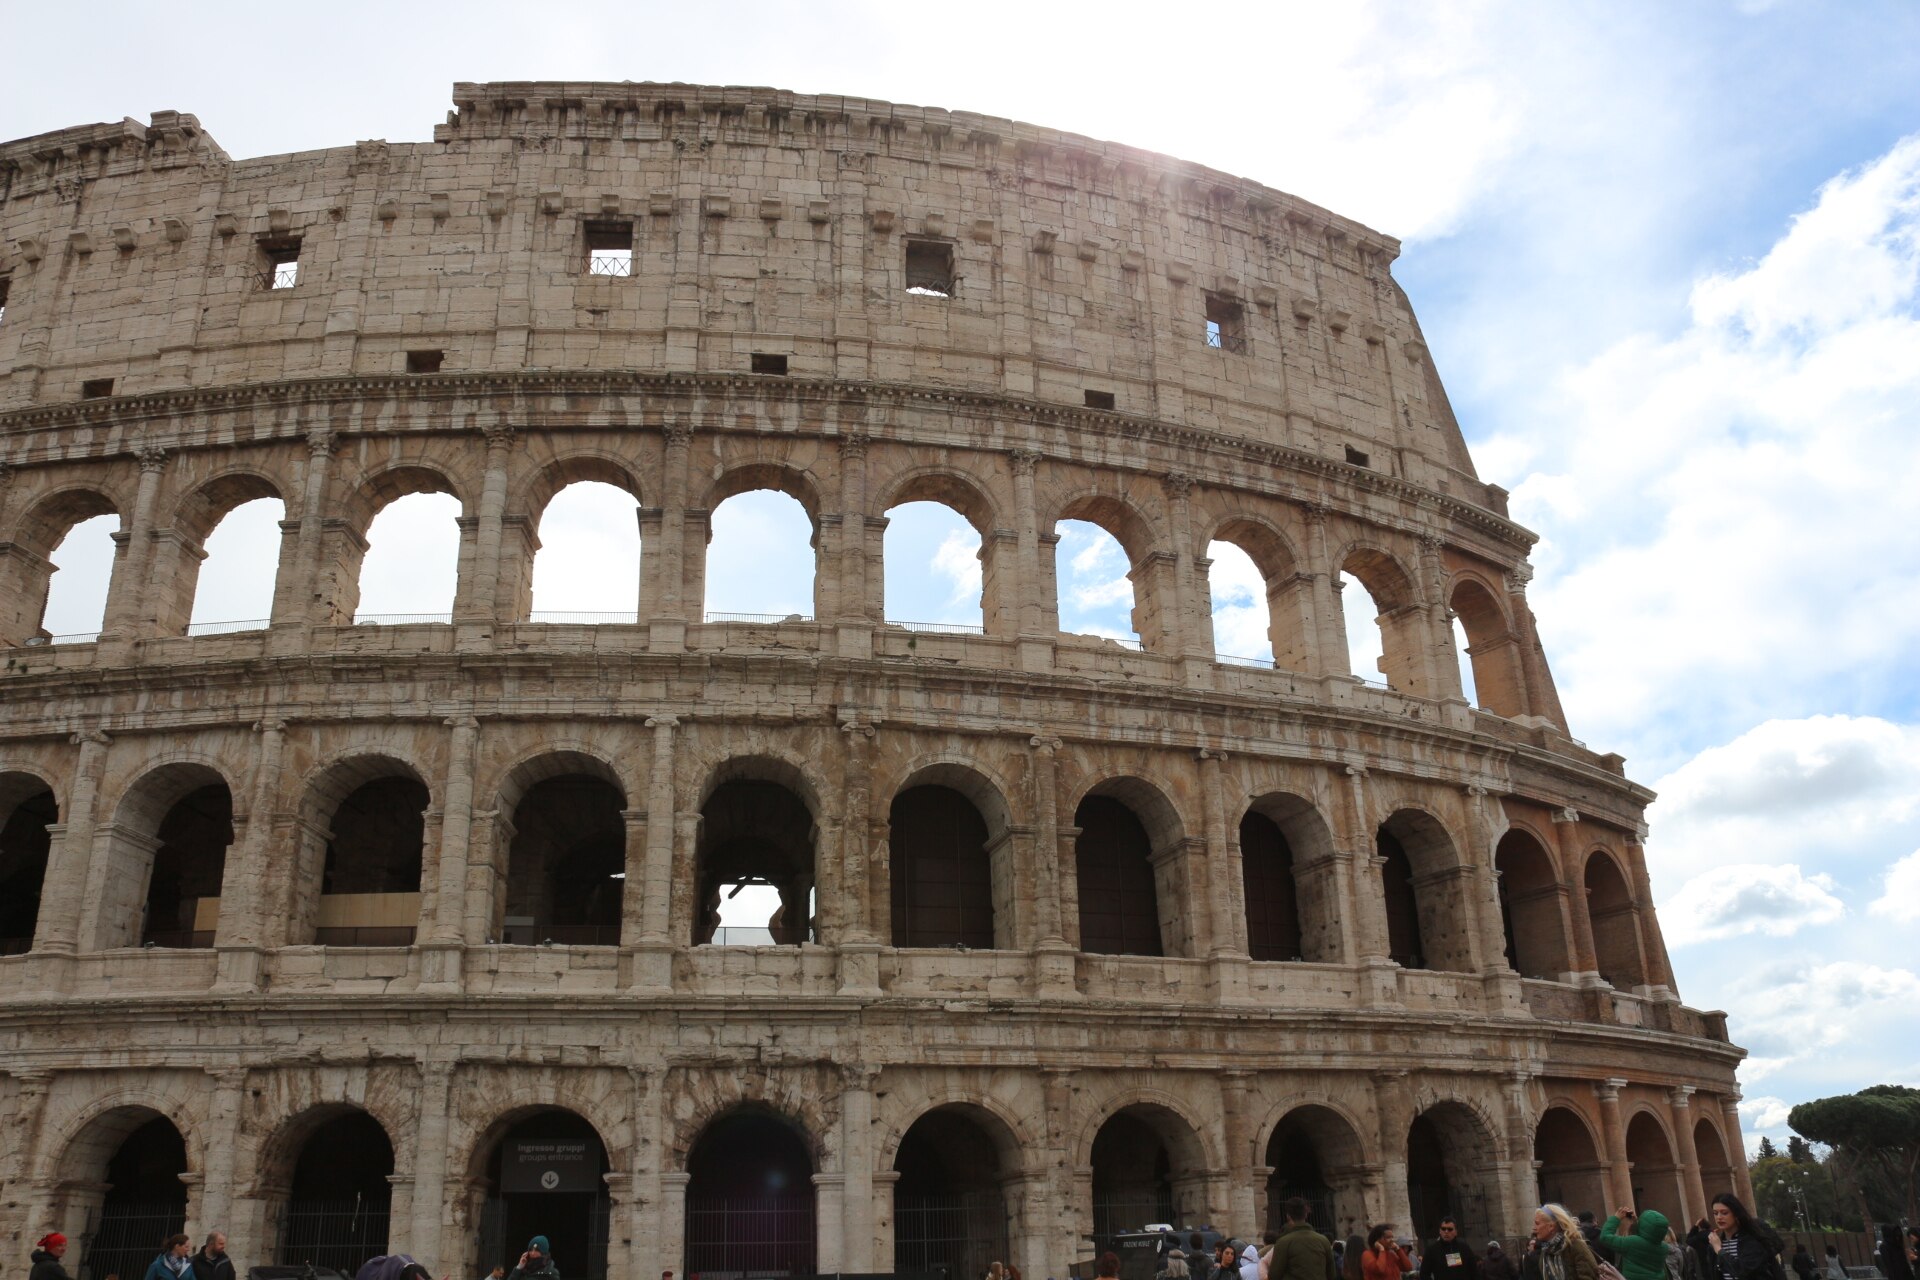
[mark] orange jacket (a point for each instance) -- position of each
(1383, 1264)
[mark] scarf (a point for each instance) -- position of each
(1553, 1261)
(179, 1266)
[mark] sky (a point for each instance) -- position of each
(1667, 258)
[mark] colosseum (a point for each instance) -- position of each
(345, 935)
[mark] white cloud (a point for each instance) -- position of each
(957, 559)
(1900, 891)
(1737, 899)
(1763, 1113)
(1826, 1022)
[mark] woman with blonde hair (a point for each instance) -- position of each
(1557, 1251)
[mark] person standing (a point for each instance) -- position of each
(536, 1263)
(1892, 1254)
(1383, 1258)
(1299, 1252)
(1835, 1269)
(1496, 1265)
(46, 1258)
(212, 1262)
(1802, 1263)
(1637, 1243)
(1449, 1257)
(1353, 1258)
(175, 1261)
(1744, 1247)
(1558, 1251)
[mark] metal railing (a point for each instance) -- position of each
(575, 617)
(125, 1237)
(1117, 1211)
(758, 617)
(610, 262)
(1236, 660)
(399, 619)
(742, 936)
(940, 628)
(750, 1235)
(75, 637)
(341, 1234)
(563, 935)
(959, 1234)
(226, 628)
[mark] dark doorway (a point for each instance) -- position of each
(1403, 907)
(338, 1204)
(1119, 910)
(379, 832)
(187, 868)
(24, 844)
(145, 1202)
(547, 1178)
(1132, 1176)
(949, 1214)
(1429, 1191)
(1273, 908)
(750, 1199)
(942, 877)
(567, 866)
(753, 834)
(1297, 1171)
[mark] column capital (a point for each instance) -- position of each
(1023, 460)
(1608, 1090)
(152, 456)
(1213, 754)
(853, 446)
(663, 722)
(677, 434)
(1178, 485)
(1681, 1096)
(1566, 817)
(95, 736)
(499, 435)
(322, 441)
(1046, 744)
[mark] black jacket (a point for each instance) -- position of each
(217, 1267)
(1443, 1261)
(47, 1267)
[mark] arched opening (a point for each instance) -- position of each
(183, 889)
(586, 569)
(1273, 905)
(756, 848)
(933, 569)
(1656, 1174)
(411, 569)
(1469, 687)
(1242, 619)
(370, 886)
(1452, 1168)
(232, 589)
(761, 559)
(1421, 878)
(340, 1195)
(942, 875)
(1716, 1171)
(1315, 1154)
(1383, 629)
(133, 1160)
(1491, 652)
(1567, 1160)
(566, 864)
(1531, 908)
(1148, 1166)
(1113, 867)
(1616, 925)
(82, 566)
(1280, 590)
(546, 1175)
(750, 1198)
(25, 843)
(1096, 586)
(950, 1210)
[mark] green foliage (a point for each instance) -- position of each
(1799, 1150)
(1875, 1137)
(1797, 1196)
(1767, 1150)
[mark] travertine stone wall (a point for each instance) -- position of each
(1316, 436)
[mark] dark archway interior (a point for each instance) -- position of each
(949, 1214)
(1119, 910)
(1403, 907)
(1132, 1176)
(378, 834)
(1273, 905)
(573, 1221)
(145, 1200)
(1294, 1158)
(567, 866)
(1569, 1166)
(942, 876)
(1530, 908)
(1616, 933)
(24, 845)
(750, 1198)
(1430, 1192)
(756, 833)
(339, 1197)
(187, 867)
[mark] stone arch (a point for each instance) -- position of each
(1615, 919)
(166, 853)
(1012, 1135)
(1129, 883)
(1710, 1149)
(195, 518)
(759, 825)
(508, 1216)
(26, 575)
(1298, 835)
(322, 1162)
(961, 494)
(29, 807)
(1423, 873)
(957, 1169)
(1493, 646)
(561, 876)
(376, 490)
(1655, 1169)
(1289, 593)
(980, 865)
(753, 475)
(1532, 906)
(541, 484)
(554, 758)
(1566, 1157)
(1315, 1151)
(528, 509)
(121, 1170)
(1454, 1167)
(947, 486)
(1396, 598)
(1149, 563)
(395, 795)
(1149, 1159)
(200, 510)
(752, 1159)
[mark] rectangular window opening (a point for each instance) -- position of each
(764, 363)
(1226, 324)
(279, 262)
(610, 248)
(425, 361)
(1358, 458)
(96, 388)
(1099, 399)
(930, 268)
(5, 283)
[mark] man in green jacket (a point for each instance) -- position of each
(1301, 1253)
(1639, 1242)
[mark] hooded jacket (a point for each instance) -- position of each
(1641, 1254)
(47, 1267)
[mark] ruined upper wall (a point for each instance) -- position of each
(761, 221)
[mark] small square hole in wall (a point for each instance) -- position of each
(930, 268)
(609, 248)
(1099, 399)
(1226, 324)
(96, 388)
(279, 262)
(764, 363)
(1358, 458)
(425, 361)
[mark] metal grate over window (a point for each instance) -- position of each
(609, 248)
(279, 262)
(930, 268)
(1226, 324)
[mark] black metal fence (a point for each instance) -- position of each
(123, 1239)
(955, 1234)
(339, 1234)
(1114, 1212)
(730, 1238)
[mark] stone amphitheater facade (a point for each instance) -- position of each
(1190, 935)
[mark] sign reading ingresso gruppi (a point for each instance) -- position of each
(541, 1165)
